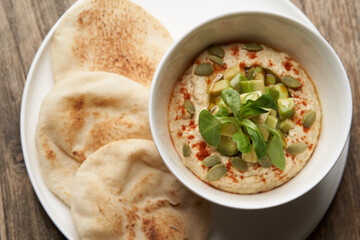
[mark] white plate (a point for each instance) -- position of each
(178, 16)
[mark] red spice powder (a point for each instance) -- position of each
(192, 124)
(242, 65)
(191, 137)
(306, 129)
(311, 146)
(251, 55)
(287, 65)
(241, 177)
(263, 179)
(179, 134)
(185, 93)
(296, 71)
(270, 63)
(235, 51)
(183, 127)
(203, 150)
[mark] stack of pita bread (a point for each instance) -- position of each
(93, 138)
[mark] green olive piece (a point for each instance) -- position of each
(239, 164)
(204, 69)
(253, 47)
(211, 161)
(186, 150)
(309, 119)
(296, 148)
(265, 162)
(217, 51)
(189, 107)
(216, 172)
(290, 81)
(216, 60)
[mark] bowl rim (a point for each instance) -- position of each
(260, 13)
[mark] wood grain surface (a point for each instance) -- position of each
(23, 26)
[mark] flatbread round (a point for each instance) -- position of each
(114, 36)
(82, 114)
(124, 191)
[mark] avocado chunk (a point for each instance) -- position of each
(286, 125)
(219, 86)
(286, 108)
(235, 82)
(252, 86)
(273, 113)
(272, 92)
(231, 72)
(250, 157)
(227, 146)
(251, 95)
(271, 121)
(228, 130)
(282, 89)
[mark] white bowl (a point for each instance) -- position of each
(287, 35)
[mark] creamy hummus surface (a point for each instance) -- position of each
(184, 129)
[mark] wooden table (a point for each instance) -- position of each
(23, 26)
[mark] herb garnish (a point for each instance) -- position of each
(210, 126)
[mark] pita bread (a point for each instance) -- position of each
(114, 36)
(80, 115)
(124, 191)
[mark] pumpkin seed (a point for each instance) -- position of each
(309, 119)
(211, 161)
(265, 162)
(204, 69)
(189, 107)
(216, 60)
(217, 51)
(270, 79)
(216, 172)
(296, 148)
(239, 164)
(291, 82)
(253, 47)
(186, 150)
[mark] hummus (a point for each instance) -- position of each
(183, 127)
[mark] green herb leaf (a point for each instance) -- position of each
(256, 137)
(276, 152)
(231, 98)
(275, 148)
(223, 112)
(265, 101)
(209, 128)
(251, 111)
(224, 120)
(243, 141)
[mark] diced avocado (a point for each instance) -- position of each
(282, 89)
(271, 121)
(252, 86)
(270, 79)
(273, 113)
(250, 157)
(235, 82)
(251, 95)
(219, 86)
(231, 72)
(286, 125)
(227, 146)
(228, 129)
(286, 108)
(272, 92)
(259, 76)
